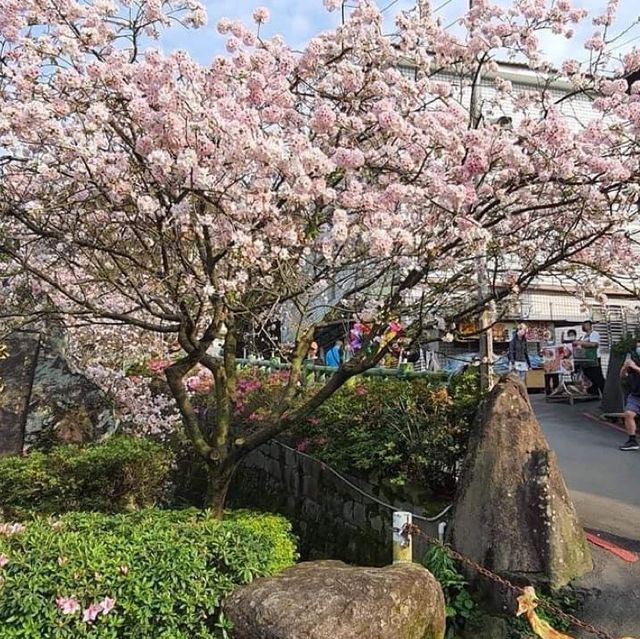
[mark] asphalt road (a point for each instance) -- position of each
(605, 487)
(604, 482)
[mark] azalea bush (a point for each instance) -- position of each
(402, 431)
(146, 575)
(121, 473)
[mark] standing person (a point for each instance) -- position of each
(592, 371)
(630, 374)
(333, 357)
(312, 356)
(518, 352)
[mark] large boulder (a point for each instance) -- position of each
(65, 406)
(41, 398)
(331, 600)
(512, 511)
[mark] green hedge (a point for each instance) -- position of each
(116, 475)
(164, 572)
(402, 432)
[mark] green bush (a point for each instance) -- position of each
(461, 609)
(164, 572)
(465, 615)
(119, 474)
(402, 431)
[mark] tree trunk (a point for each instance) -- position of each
(219, 480)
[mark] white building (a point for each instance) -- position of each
(549, 302)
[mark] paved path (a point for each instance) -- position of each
(605, 486)
(604, 482)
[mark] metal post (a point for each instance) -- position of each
(402, 546)
(486, 341)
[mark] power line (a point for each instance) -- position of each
(389, 5)
(442, 6)
(624, 44)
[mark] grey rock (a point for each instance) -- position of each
(331, 600)
(44, 398)
(489, 627)
(512, 511)
(64, 404)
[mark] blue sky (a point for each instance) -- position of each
(299, 20)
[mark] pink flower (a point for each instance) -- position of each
(68, 605)
(89, 614)
(107, 605)
(323, 119)
(249, 385)
(303, 445)
(4, 560)
(361, 391)
(395, 327)
(261, 15)
(193, 383)
(11, 529)
(158, 365)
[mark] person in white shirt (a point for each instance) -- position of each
(593, 372)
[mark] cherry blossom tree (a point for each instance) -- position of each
(156, 205)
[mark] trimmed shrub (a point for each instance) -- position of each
(147, 575)
(119, 474)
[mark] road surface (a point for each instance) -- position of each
(604, 482)
(605, 487)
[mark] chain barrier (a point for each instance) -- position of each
(525, 592)
(521, 592)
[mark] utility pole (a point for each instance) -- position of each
(486, 332)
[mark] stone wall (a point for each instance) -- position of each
(331, 518)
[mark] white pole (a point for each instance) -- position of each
(402, 547)
(442, 526)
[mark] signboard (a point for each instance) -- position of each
(540, 332)
(469, 327)
(558, 359)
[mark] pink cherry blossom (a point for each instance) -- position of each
(332, 5)
(261, 15)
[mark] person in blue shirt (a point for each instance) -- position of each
(333, 357)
